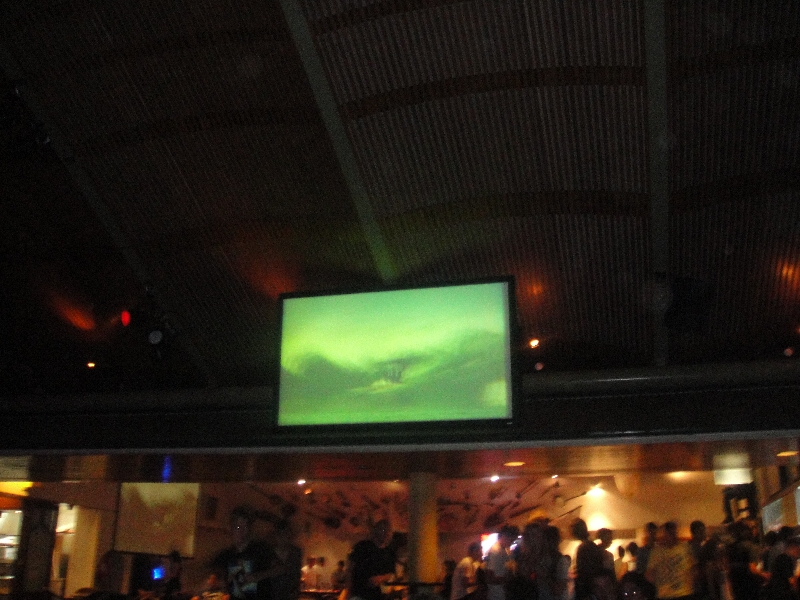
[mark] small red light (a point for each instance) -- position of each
(125, 317)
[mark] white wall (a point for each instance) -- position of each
(84, 552)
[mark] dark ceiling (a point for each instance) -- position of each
(635, 165)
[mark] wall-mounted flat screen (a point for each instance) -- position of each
(400, 355)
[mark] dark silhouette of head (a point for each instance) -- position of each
(698, 531)
(507, 534)
(579, 530)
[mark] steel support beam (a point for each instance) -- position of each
(658, 150)
(329, 111)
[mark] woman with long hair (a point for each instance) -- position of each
(554, 577)
(523, 586)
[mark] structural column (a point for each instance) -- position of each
(423, 540)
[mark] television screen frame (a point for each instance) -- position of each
(510, 331)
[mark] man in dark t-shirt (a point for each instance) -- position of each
(248, 563)
(371, 564)
(588, 560)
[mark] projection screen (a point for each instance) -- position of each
(392, 356)
(157, 518)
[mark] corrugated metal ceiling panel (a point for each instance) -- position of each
(745, 253)
(699, 28)
(507, 142)
(454, 40)
(736, 121)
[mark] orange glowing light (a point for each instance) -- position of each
(271, 280)
(791, 274)
(91, 365)
(77, 316)
(534, 343)
(535, 289)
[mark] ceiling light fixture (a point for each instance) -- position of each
(534, 343)
(595, 492)
(788, 453)
(301, 482)
(513, 463)
(494, 478)
(91, 365)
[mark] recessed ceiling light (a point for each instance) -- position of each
(534, 343)
(495, 478)
(513, 463)
(301, 482)
(554, 477)
(788, 453)
(91, 365)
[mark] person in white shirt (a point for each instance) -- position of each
(464, 577)
(310, 574)
(499, 562)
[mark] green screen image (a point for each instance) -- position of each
(425, 354)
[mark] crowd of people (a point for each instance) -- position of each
(731, 564)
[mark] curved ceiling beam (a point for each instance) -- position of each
(658, 150)
(341, 142)
(490, 82)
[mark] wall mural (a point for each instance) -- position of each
(467, 506)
